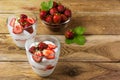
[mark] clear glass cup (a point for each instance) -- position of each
(40, 68)
(21, 38)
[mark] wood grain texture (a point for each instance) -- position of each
(82, 5)
(98, 59)
(97, 48)
(64, 70)
(98, 17)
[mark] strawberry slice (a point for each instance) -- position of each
(37, 58)
(51, 46)
(12, 22)
(49, 54)
(17, 29)
(31, 20)
(49, 67)
(42, 46)
(32, 49)
(38, 53)
(29, 29)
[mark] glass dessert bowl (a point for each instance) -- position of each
(43, 54)
(22, 26)
(55, 15)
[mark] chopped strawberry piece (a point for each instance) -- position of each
(29, 29)
(45, 53)
(42, 46)
(12, 22)
(49, 67)
(49, 54)
(38, 53)
(31, 20)
(23, 16)
(51, 46)
(17, 29)
(37, 58)
(52, 56)
(22, 22)
(32, 49)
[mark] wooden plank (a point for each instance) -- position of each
(64, 70)
(97, 48)
(74, 5)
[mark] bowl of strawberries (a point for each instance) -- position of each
(54, 15)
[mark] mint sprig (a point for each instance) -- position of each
(79, 30)
(68, 41)
(78, 36)
(47, 5)
(79, 40)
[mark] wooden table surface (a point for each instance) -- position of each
(98, 59)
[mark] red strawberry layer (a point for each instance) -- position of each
(24, 23)
(17, 29)
(42, 50)
(12, 22)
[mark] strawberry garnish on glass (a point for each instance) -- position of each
(22, 23)
(42, 50)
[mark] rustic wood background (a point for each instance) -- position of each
(98, 59)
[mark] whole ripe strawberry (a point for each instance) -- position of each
(53, 11)
(49, 19)
(55, 4)
(43, 14)
(67, 12)
(64, 18)
(69, 34)
(61, 8)
(57, 18)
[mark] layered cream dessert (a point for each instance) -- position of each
(43, 57)
(21, 28)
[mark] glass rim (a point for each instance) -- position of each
(57, 24)
(13, 14)
(40, 36)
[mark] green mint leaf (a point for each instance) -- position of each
(50, 4)
(79, 40)
(69, 41)
(79, 30)
(43, 6)
(46, 5)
